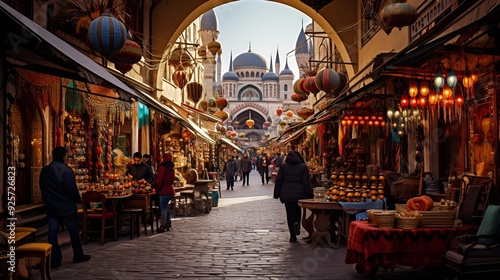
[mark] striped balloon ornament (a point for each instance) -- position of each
(327, 80)
(107, 35)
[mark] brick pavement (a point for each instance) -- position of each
(244, 237)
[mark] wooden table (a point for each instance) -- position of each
(145, 202)
(318, 224)
(370, 247)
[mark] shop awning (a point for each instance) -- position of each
(202, 114)
(230, 143)
(189, 124)
(30, 46)
(294, 135)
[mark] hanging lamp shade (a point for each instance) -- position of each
(404, 101)
(447, 92)
(309, 85)
(459, 99)
(413, 90)
(123, 67)
(266, 124)
(221, 102)
(241, 134)
(398, 15)
(424, 88)
(194, 91)
(327, 80)
(342, 84)
(279, 111)
(222, 115)
(211, 102)
(298, 87)
(214, 47)
(305, 113)
(422, 102)
(179, 78)
(438, 81)
(223, 129)
(107, 35)
(299, 97)
(130, 53)
(451, 79)
(289, 114)
(413, 102)
(433, 99)
(250, 123)
(202, 51)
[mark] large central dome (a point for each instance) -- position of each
(249, 59)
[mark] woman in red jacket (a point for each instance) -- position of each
(164, 186)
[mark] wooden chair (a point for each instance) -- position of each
(474, 199)
(35, 250)
(107, 217)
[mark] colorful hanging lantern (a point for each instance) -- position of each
(124, 68)
(398, 15)
(404, 101)
(202, 51)
(223, 129)
(298, 87)
(438, 81)
(214, 47)
(424, 88)
(221, 102)
(447, 92)
(459, 99)
(130, 53)
(342, 84)
(241, 134)
(279, 111)
(327, 80)
(179, 58)
(451, 79)
(230, 128)
(413, 90)
(250, 123)
(413, 102)
(211, 102)
(234, 134)
(422, 101)
(179, 78)
(194, 91)
(222, 115)
(309, 85)
(267, 134)
(289, 114)
(282, 124)
(107, 35)
(305, 113)
(229, 133)
(299, 97)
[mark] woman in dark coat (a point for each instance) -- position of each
(292, 184)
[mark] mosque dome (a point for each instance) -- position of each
(270, 76)
(250, 59)
(286, 71)
(301, 45)
(230, 76)
(209, 21)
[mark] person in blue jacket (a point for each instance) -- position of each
(59, 190)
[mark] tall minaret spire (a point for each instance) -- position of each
(219, 70)
(249, 46)
(271, 64)
(277, 62)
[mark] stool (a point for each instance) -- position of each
(134, 220)
(36, 250)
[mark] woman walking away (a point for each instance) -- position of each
(246, 167)
(292, 184)
(164, 186)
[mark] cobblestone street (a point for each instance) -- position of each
(244, 237)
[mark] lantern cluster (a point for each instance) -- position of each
(359, 117)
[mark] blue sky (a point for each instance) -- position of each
(268, 26)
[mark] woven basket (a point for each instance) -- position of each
(407, 222)
(371, 217)
(384, 219)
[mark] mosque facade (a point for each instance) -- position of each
(254, 87)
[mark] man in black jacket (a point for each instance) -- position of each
(139, 170)
(58, 186)
(293, 184)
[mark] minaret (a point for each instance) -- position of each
(277, 62)
(302, 53)
(219, 70)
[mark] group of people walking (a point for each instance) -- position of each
(241, 168)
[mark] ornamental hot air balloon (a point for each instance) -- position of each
(298, 87)
(124, 68)
(194, 90)
(214, 47)
(298, 97)
(310, 85)
(221, 102)
(327, 80)
(179, 78)
(398, 15)
(130, 53)
(107, 35)
(342, 84)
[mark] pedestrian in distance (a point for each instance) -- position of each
(293, 184)
(59, 190)
(263, 165)
(246, 168)
(164, 186)
(230, 169)
(238, 169)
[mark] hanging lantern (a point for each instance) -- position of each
(279, 111)
(447, 92)
(266, 124)
(250, 123)
(222, 115)
(289, 114)
(230, 128)
(413, 90)
(422, 101)
(241, 134)
(130, 53)
(221, 102)
(217, 126)
(179, 78)
(179, 58)
(223, 129)
(467, 81)
(107, 35)
(299, 97)
(267, 134)
(214, 47)
(398, 15)
(310, 85)
(451, 79)
(404, 101)
(438, 81)
(433, 99)
(202, 51)
(305, 113)
(204, 105)
(194, 91)
(211, 102)
(236, 122)
(229, 133)
(298, 87)
(459, 99)
(234, 134)
(424, 88)
(185, 134)
(124, 68)
(413, 102)
(327, 80)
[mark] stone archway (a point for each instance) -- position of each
(170, 18)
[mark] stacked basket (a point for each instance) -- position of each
(384, 218)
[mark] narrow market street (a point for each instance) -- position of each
(244, 237)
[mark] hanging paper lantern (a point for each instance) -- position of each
(250, 123)
(236, 122)
(309, 85)
(451, 79)
(202, 51)
(467, 81)
(447, 92)
(305, 113)
(229, 133)
(266, 124)
(107, 35)
(230, 128)
(459, 99)
(130, 53)
(424, 88)
(267, 134)
(241, 134)
(289, 114)
(211, 102)
(398, 15)
(204, 105)
(422, 101)
(298, 87)
(299, 97)
(327, 80)
(342, 84)
(438, 81)
(179, 78)
(214, 47)
(279, 111)
(124, 68)
(221, 102)
(233, 133)
(179, 58)
(222, 115)
(433, 98)
(404, 101)
(413, 90)
(194, 91)
(223, 129)
(413, 102)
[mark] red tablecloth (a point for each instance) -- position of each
(372, 247)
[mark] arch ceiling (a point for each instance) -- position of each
(170, 18)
